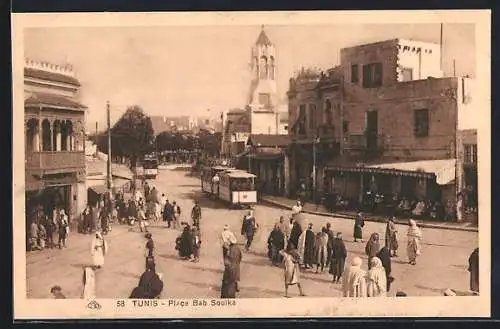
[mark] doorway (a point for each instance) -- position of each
(371, 130)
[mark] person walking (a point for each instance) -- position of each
(168, 214)
(196, 243)
(50, 228)
(176, 212)
(372, 248)
(63, 229)
(391, 240)
(385, 257)
(89, 288)
(34, 236)
(291, 260)
(354, 280)
(414, 237)
(248, 228)
(331, 238)
(149, 250)
(337, 261)
(226, 238)
(376, 280)
(474, 271)
(285, 229)
(186, 243)
(196, 214)
(306, 247)
(42, 236)
(150, 284)
(235, 256)
(321, 249)
(229, 282)
(98, 249)
(359, 223)
(275, 243)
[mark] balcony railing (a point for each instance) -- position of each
(55, 162)
(360, 142)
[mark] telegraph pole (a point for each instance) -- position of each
(109, 174)
(96, 139)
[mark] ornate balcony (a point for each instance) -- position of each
(46, 163)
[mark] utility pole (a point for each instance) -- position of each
(109, 174)
(223, 135)
(454, 68)
(96, 139)
(314, 168)
(441, 47)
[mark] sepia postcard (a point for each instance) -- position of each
(251, 164)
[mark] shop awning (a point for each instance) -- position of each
(120, 182)
(442, 170)
(99, 189)
(266, 156)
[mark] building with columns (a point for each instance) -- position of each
(54, 140)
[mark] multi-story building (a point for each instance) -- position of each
(395, 126)
(315, 124)
(54, 140)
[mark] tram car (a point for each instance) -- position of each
(207, 175)
(237, 187)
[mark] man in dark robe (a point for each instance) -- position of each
(196, 214)
(132, 209)
(234, 256)
(385, 256)
(186, 243)
(248, 229)
(150, 285)
(229, 281)
(337, 261)
(146, 191)
(331, 237)
(295, 234)
(168, 213)
(359, 222)
(276, 243)
(474, 271)
(309, 244)
(150, 246)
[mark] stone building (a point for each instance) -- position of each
(54, 140)
(315, 124)
(394, 127)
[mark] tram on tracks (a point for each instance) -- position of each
(233, 186)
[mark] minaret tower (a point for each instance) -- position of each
(262, 96)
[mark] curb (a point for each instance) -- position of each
(368, 219)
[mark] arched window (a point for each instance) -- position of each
(32, 135)
(46, 136)
(263, 67)
(328, 113)
(272, 68)
(66, 136)
(256, 65)
(56, 135)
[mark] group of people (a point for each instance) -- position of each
(43, 228)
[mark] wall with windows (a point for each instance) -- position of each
(414, 120)
(304, 111)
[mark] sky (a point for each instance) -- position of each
(173, 71)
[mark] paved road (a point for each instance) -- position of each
(442, 264)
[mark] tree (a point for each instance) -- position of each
(209, 143)
(132, 135)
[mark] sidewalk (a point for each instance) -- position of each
(321, 211)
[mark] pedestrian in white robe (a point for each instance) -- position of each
(88, 283)
(376, 280)
(353, 281)
(99, 248)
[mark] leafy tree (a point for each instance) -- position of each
(132, 135)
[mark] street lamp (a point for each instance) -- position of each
(315, 141)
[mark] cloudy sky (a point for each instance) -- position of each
(187, 70)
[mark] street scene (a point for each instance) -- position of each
(198, 171)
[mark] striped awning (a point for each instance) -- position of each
(442, 170)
